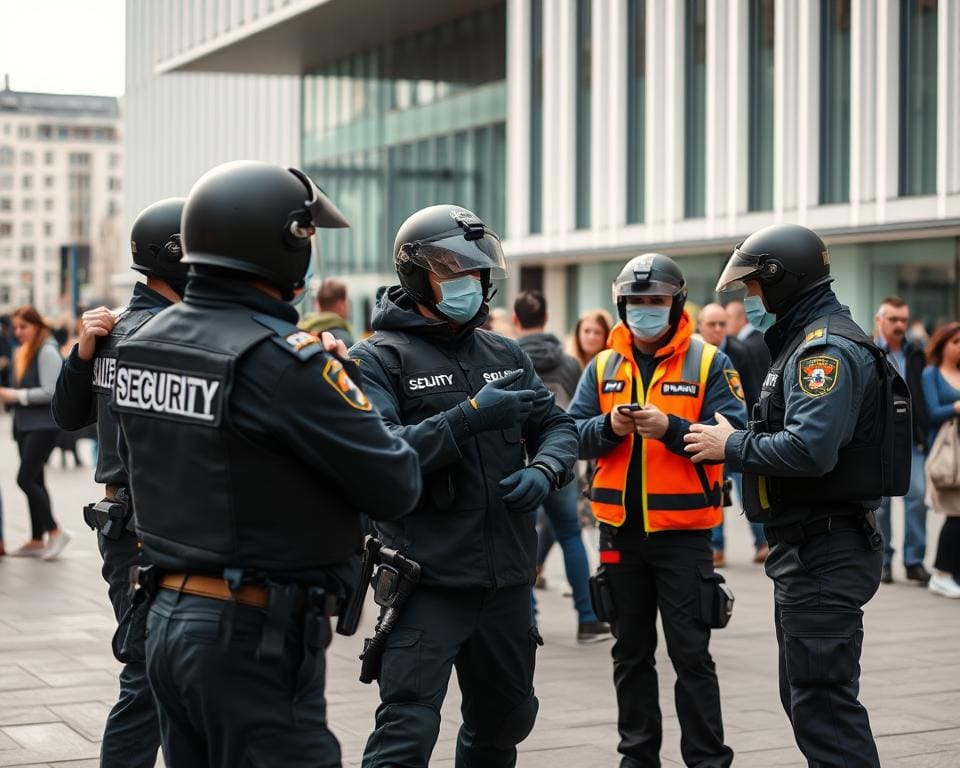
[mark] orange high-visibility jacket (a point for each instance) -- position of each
(676, 492)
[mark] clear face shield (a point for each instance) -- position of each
(467, 248)
(741, 267)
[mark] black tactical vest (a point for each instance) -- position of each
(207, 496)
(855, 482)
(461, 532)
(110, 469)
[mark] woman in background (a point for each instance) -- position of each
(590, 335)
(36, 366)
(941, 391)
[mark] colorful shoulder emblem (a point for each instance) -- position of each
(300, 339)
(336, 376)
(733, 381)
(818, 375)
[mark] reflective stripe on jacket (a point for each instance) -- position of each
(677, 493)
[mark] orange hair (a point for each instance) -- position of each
(27, 353)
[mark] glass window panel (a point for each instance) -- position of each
(636, 101)
(584, 76)
(536, 116)
(918, 97)
(834, 101)
(760, 111)
(695, 102)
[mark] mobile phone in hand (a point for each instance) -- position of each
(630, 408)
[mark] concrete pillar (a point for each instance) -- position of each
(716, 201)
(518, 124)
(863, 103)
(888, 103)
(737, 115)
(559, 115)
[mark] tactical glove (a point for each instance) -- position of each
(496, 407)
(525, 489)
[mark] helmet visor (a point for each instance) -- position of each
(740, 267)
(456, 255)
(626, 286)
(320, 210)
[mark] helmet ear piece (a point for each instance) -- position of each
(771, 271)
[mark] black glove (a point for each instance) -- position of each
(496, 407)
(526, 489)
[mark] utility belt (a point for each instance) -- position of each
(113, 516)
(797, 533)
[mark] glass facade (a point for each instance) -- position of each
(636, 105)
(416, 122)
(536, 116)
(834, 101)
(760, 107)
(584, 77)
(918, 97)
(695, 109)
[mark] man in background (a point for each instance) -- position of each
(333, 309)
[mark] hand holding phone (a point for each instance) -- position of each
(629, 408)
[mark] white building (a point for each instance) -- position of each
(176, 127)
(588, 131)
(61, 184)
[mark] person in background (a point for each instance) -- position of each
(6, 351)
(893, 316)
(590, 335)
(941, 392)
(36, 367)
(712, 322)
(560, 373)
(333, 309)
(738, 325)
(917, 334)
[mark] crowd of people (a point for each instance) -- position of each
(448, 443)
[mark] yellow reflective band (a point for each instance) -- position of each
(762, 490)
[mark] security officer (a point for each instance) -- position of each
(492, 445)
(82, 397)
(252, 452)
(634, 404)
(808, 477)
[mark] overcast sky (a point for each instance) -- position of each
(63, 46)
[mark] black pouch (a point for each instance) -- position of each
(716, 598)
(601, 595)
(130, 639)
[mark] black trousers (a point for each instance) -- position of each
(820, 587)
(664, 572)
(35, 448)
(221, 707)
(131, 737)
(488, 636)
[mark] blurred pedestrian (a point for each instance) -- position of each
(633, 407)
(941, 390)
(590, 335)
(333, 309)
(712, 323)
(560, 373)
(36, 367)
(739, 325)
(892, 319)
(6, 351)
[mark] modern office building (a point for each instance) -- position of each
(587, 131)
(61, 189)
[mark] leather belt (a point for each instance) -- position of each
(800, 532)
(111, 491)
(218, 589)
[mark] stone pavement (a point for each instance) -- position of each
(58, 678)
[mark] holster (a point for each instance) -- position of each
(129, 640)
(601, 595)
(111, 517)
(716, 599)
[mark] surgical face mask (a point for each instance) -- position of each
(757, 313)
(462, 298)
(648, 323)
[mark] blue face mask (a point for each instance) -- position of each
(648, 323)
(462, 298)
(757, 313)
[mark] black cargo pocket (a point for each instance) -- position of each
(513, 437)
(821, 648)
(313, 667)
(400, 668)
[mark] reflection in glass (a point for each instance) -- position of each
(760, 111)
(695, 101)
(834, 101)
(636, 104)
(918, 97)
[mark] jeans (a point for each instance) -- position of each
(914, 517)
(717, 540)
(560, 507)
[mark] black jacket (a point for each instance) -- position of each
(248, 445)
(417, 371)
(559, 371)
(914, 362)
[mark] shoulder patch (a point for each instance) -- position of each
(337, 377)
(733, 381)
(818, 375)
(300, 339)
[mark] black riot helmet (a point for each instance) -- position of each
(786, 259)
(155, 243)
(256, 219)
(447, 240)
(651, 274)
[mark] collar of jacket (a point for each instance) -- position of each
(222, 293)
(819, 302)
(144, 297)
(621, 340)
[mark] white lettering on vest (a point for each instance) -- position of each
(494, 375)
(104, 370)
(183, 395)
(430, 382)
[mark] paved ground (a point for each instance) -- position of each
(57, 676)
